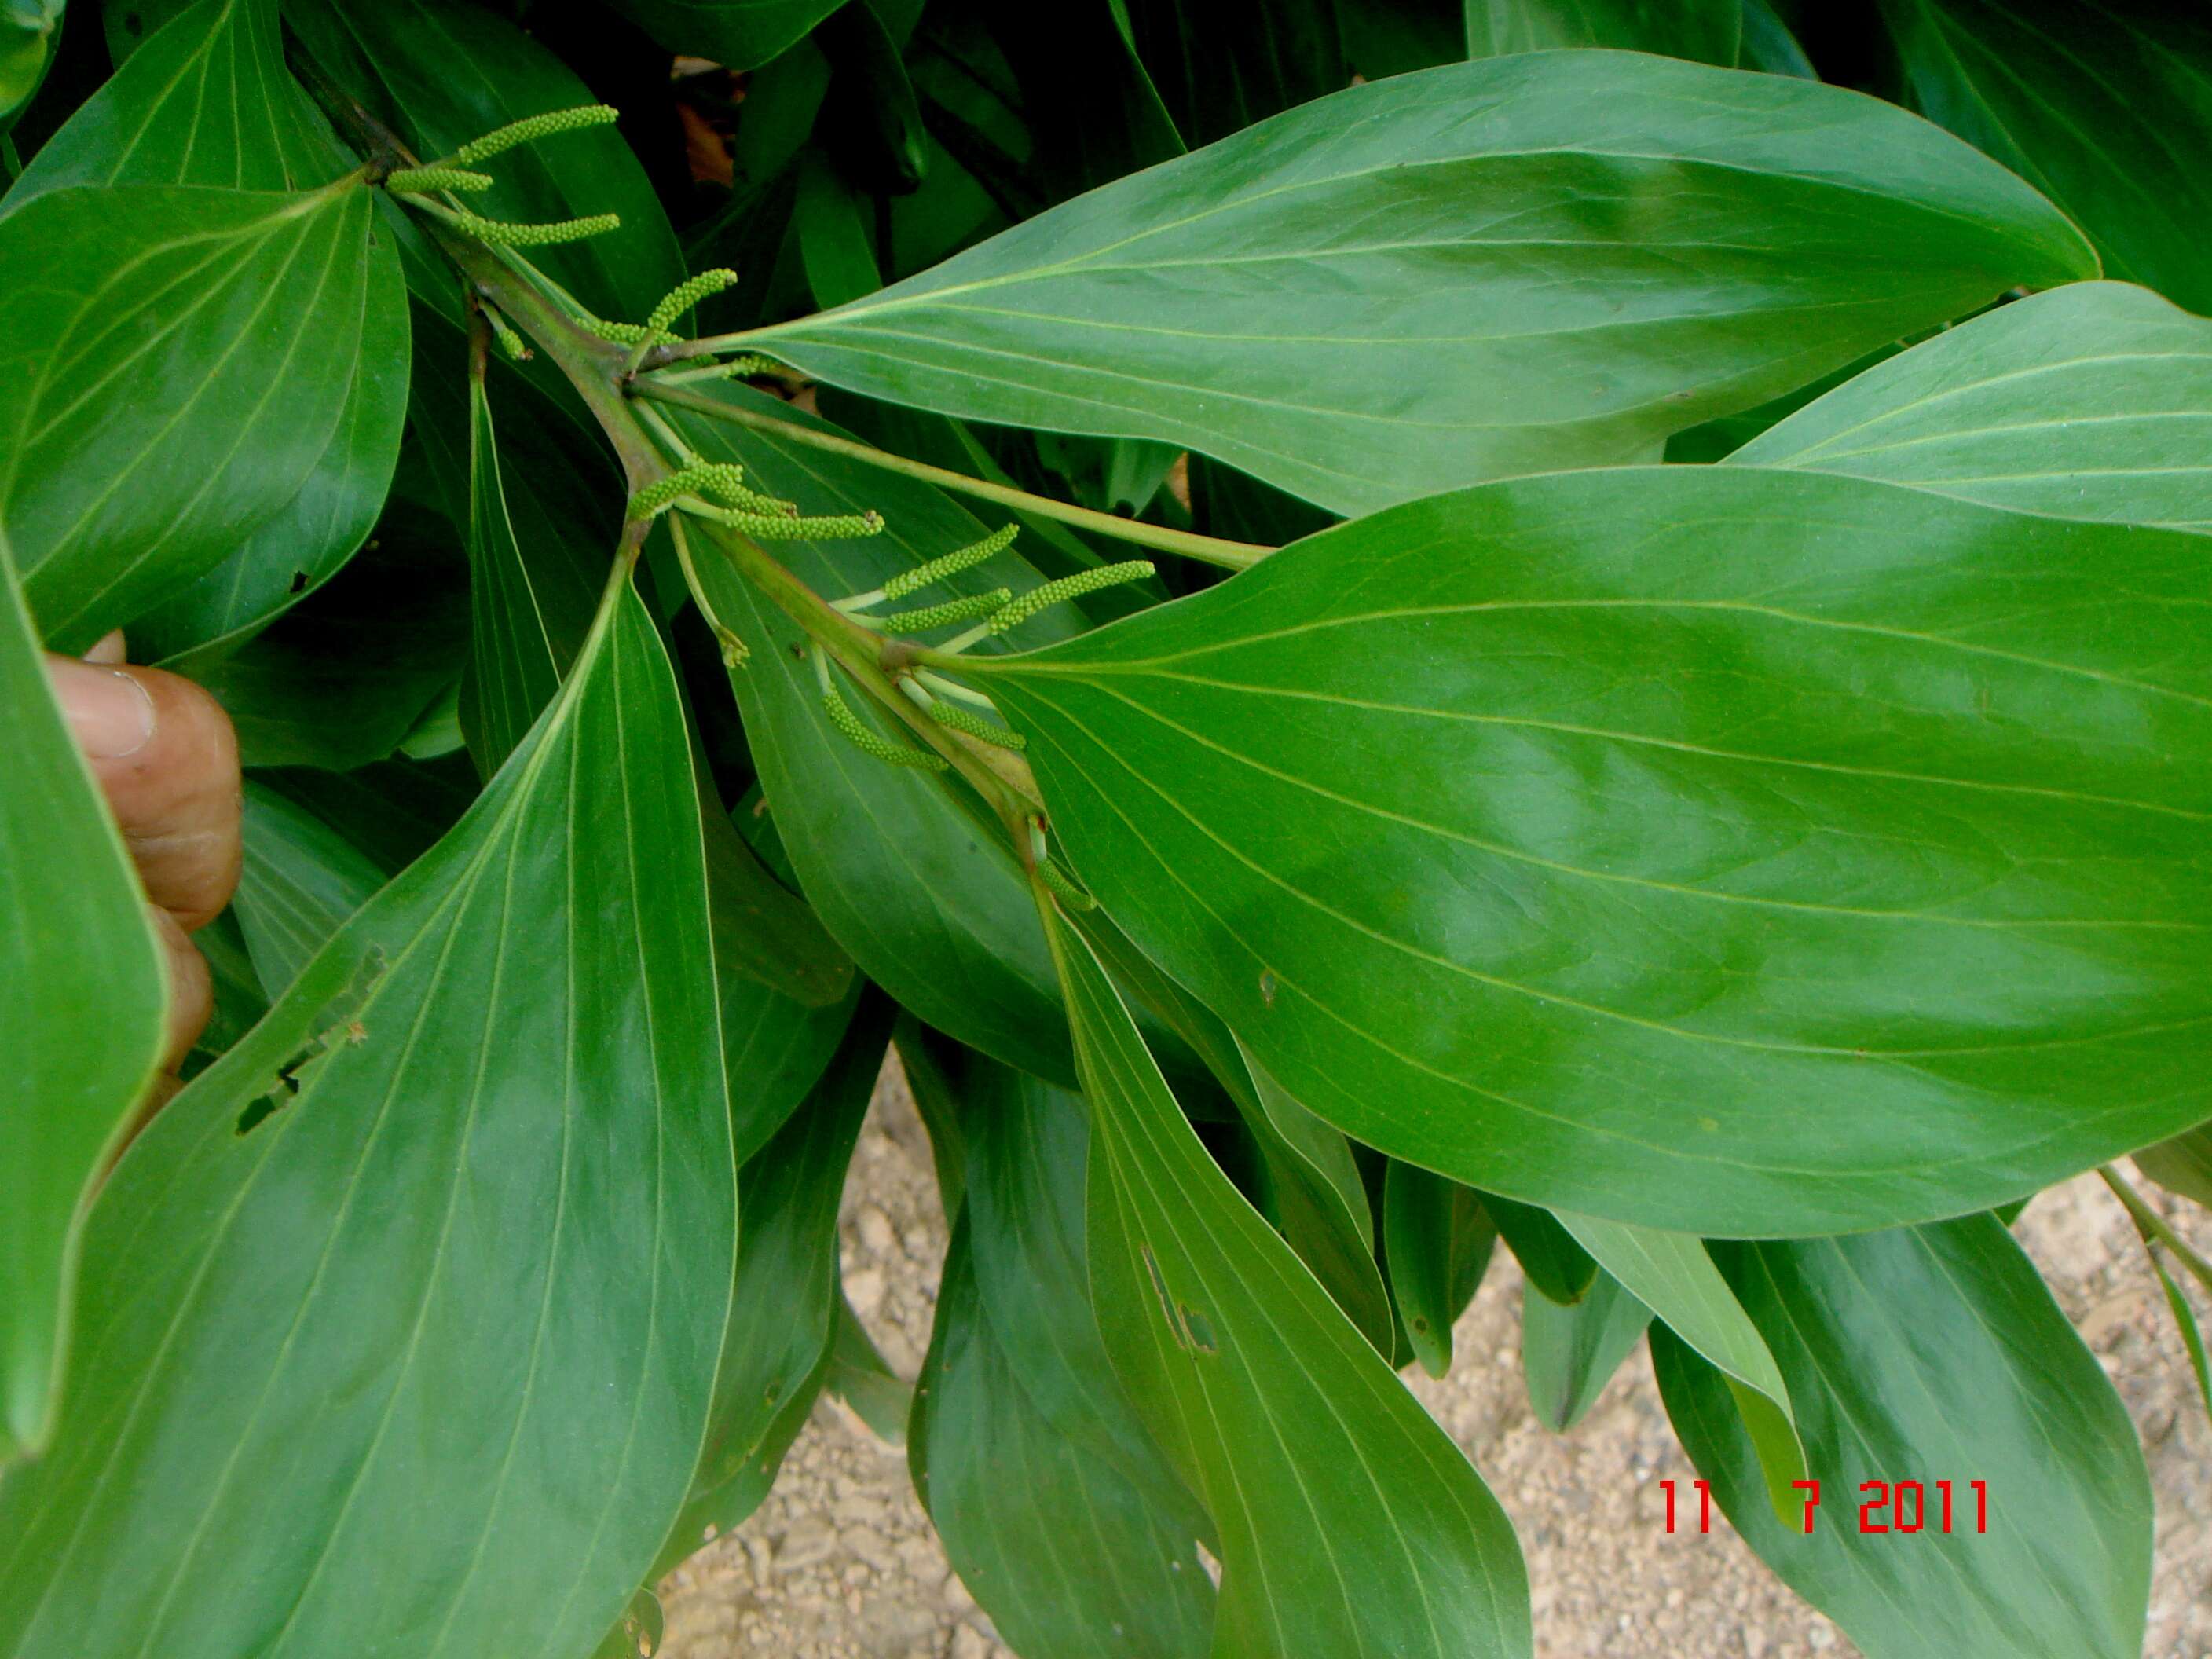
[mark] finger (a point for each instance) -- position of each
(165, 756)
(110, 649)
(191, 988)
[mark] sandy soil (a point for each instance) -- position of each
(840, 1563)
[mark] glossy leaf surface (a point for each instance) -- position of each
(2104, 105)
(400, 1324)
(2094, 401)
(1056, 1509)
(1718, 849)
(129, 471)
(1514, 266)
(1918, 1355)
(1302, 1445)
(84, 998)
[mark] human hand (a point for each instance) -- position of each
(164, 754)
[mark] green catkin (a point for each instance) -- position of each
(1068, 587)
(726, 482)
(742, 368)
(662, 492)
(1063, 888)
(960, 720)
(777, 527)
(509, 342)
(545, 236)
(620, 333)
(532, 128)
(871, 742)
(682, 298)
(950, 564)
(429, 178)
(952, 611)
(719, 481)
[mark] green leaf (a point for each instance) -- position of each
(210, 101)
(784, 1298)
(2091, 402)
(1725, 850)
(1927, 1354)
(1302, 1445)
(207, 100)
(128, 470)
(2106, 108)
(1768, 44)
(914, 879)
(1312, 1185)
(84, 999)
(1551, 1257)
(863, 1379)
(1438, 1239)
(1705, 31)
(462, 1198)
(2182, 1164)
(1220, 65)
(1671, 1274)
(1375, 296)
(299, 881)
(441, 74)
(1053, 1504)
(1316, 1186)
(739, 34)
(2184, 1322)
(528, 611)
(28, 32)
(834, 245)
(343, 679)
(1570, 1353)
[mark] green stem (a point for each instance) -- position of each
(2152, 1227)
(1230, 556)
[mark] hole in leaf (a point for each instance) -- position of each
(344, 1023)
(299, 581)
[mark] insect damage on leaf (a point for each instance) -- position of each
(342, 1024)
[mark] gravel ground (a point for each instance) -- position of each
(841, 1564)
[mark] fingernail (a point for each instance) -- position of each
(109, 711)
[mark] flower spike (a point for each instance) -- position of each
(544, 235)
(430, 178)
(938, 616)
(953, 715)
(532, 128)
(950, 564)
(681, 298)
(1068, 587)
(859, 735)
